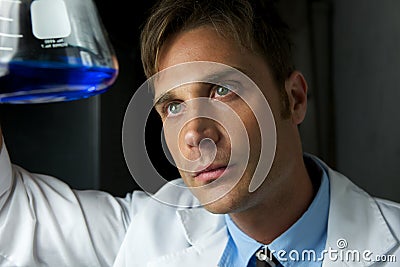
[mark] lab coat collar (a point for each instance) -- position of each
(355, 223)
(206, 233)
(199, 224)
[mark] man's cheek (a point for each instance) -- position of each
(173, 149)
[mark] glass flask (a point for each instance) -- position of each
(53, 50)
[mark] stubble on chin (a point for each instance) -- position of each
(233, 201)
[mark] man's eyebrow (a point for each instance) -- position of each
(213, 78)
(166, 97)
(216, 77)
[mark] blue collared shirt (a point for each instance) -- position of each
(301, 245)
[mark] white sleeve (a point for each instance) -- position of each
(43, 222)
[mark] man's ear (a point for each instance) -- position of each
(296, 89)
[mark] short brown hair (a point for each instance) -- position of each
(254, 24)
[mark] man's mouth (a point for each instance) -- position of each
(210, 173)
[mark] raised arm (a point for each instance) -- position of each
(43, 222)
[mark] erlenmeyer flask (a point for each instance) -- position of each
(53, 50)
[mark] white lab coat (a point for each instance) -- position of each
(45, 223)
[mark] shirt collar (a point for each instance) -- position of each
(245, 245)
(309, 232)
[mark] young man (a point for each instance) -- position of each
(300, 214)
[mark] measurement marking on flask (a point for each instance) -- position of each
(6, 19)
(11, 35)
(6, 48)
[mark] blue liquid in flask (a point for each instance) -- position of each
(43, 81)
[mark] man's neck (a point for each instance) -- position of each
(279, 210)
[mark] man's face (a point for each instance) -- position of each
(202, 148)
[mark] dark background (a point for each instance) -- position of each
(348, 51)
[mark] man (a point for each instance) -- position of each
(300, 214)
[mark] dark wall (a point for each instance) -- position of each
(58, 139)
(366, 67)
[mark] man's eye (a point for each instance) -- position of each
(174, 108)
(222, 91)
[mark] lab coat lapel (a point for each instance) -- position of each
(207, 235)
(355, 223)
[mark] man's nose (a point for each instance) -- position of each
(200, 129)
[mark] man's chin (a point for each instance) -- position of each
(222, 205)
(217, 208)
(219, 197)
(211, 194)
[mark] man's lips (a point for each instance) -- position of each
(211, 173)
